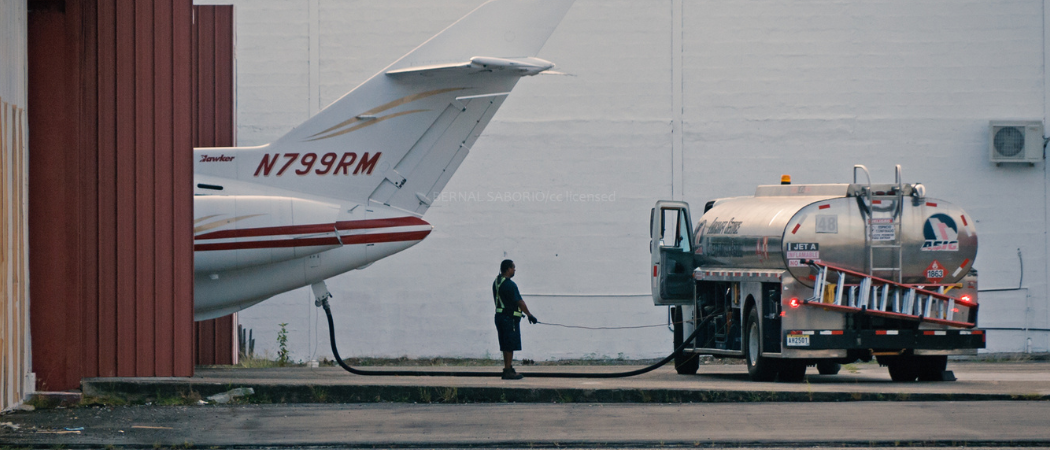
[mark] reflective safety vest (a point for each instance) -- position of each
(499, 301)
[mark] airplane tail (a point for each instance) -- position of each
(397, 138)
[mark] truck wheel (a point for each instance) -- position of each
(684, 363)
(902, 368)
(792, 371)
(931, 368)
(759, 367)
(828, 368)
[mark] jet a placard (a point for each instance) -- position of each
(350, 185)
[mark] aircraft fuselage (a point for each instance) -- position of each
(249, 247)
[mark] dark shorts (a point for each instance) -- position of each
(509, 332)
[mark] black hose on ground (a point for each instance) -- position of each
(428, 373)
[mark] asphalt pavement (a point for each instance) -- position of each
(991, 404)
(991, 423)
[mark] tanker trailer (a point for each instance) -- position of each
(820, 274)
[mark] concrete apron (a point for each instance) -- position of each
(713, 383)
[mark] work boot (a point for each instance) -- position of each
(510, 374)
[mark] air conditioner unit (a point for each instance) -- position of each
(1017, 141)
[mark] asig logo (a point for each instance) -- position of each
(941, 234)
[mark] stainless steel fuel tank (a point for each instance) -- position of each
(891, 231)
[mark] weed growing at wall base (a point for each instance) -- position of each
(282, 346)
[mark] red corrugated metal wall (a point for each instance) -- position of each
(110, 195)
(213, 127)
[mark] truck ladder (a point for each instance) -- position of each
(880, 297)
(892, 245)
(881, 213)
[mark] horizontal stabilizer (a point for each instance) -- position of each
(518, 66)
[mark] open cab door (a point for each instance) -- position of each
(672, 253)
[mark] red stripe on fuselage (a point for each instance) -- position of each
(276, 243)
(384, 237)
(314, 228)
(381, 223)
(314, 242)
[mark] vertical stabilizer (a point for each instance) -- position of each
(397, 138)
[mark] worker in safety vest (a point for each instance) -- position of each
(509, 308)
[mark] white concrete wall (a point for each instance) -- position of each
(16, 381)
(758, 89)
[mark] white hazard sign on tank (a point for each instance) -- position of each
(882, 229)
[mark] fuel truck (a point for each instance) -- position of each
(820, 274)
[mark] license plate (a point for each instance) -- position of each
(798, 340)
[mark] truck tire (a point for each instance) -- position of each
(828, 368)
(931, 368)
(902, 371)
(684, 363)
(758, 367)
(792, 371)
(902, 368)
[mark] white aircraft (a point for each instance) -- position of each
(350, 185)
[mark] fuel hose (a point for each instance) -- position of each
(429, 373)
